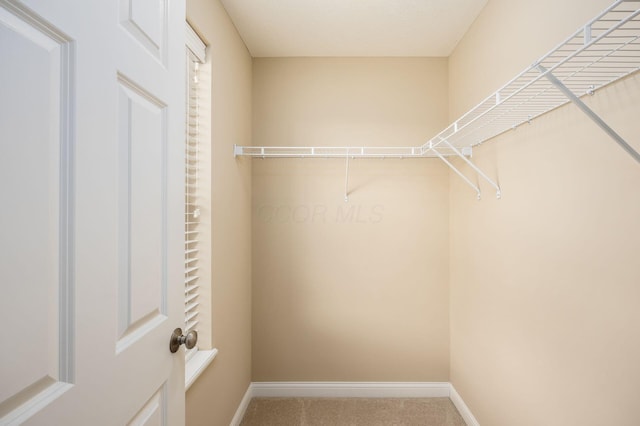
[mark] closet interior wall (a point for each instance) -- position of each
(527, 304)
(357, 290)
(544, 282)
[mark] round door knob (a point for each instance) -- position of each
(178, 339)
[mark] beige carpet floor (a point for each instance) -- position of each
(352, 412)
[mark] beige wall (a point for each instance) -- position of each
(545, 325)
(214, 397)
(351, 291)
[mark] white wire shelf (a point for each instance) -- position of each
(339, 152)
(604, 50)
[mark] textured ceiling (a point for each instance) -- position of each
(275, 28)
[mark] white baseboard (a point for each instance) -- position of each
(244, 403)
(353, 390)
(462, 408)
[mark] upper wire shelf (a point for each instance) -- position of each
(606, 49)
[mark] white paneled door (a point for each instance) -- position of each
(91, 220)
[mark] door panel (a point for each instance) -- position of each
(151, 414)
(146, 21)
(91, 169)
(34, 167)
(142, 299)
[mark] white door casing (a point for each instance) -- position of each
(91, 222)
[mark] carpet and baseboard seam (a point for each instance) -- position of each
(464, 411)
(244, 403)
(354, 390)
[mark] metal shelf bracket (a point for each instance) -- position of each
(346, 183)
(589, 112)
(460, 154)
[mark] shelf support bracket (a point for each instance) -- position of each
(589, 112)
(474, 167)
(458, 172)
(346, 182)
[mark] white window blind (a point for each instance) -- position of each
(192, 207)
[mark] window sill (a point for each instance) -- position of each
(196, 366)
